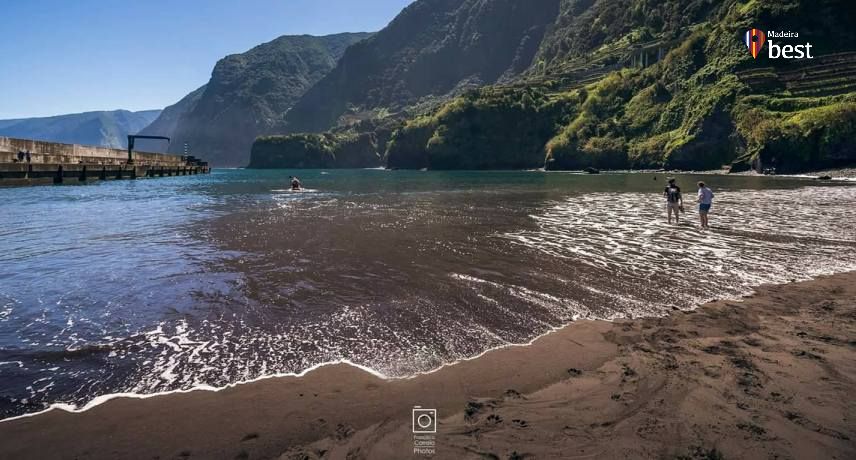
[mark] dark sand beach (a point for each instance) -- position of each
(771, 376)
(470, 229)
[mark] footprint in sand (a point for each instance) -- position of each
(476, 406)
(518, 423)
(800, 420)
(343, 432)
(473, 408)
(756, 431)
(807, 354)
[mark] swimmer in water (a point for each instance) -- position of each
(295, 183)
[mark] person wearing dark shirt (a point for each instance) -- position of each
(674, 201)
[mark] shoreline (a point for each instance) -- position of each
(342, 406)
(837, 174)
(99, 400)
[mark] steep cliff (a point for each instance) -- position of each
(637, 83)
(433, 48)
(569, 84)
(248, 95)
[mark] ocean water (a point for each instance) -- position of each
(165, 284)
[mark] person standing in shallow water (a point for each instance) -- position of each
(705, 200)
(674, 201)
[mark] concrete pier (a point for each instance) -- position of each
(29, 162)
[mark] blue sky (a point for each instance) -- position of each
(67, 56)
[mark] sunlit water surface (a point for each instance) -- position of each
(164, 284)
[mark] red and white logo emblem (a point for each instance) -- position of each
(754, 40)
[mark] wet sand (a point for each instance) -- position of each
(772, 376)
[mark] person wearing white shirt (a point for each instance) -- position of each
(705, 200)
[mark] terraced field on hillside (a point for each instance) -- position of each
(824, 76)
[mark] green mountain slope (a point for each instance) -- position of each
(248, 95)
(106, 128)
(609, 84)
(643, 84)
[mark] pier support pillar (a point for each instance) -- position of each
(58, 176)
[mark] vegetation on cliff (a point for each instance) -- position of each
(699, 107)
(693, 110)
(809, 133)
(491, 128)
(568, 84)
(315, 151)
